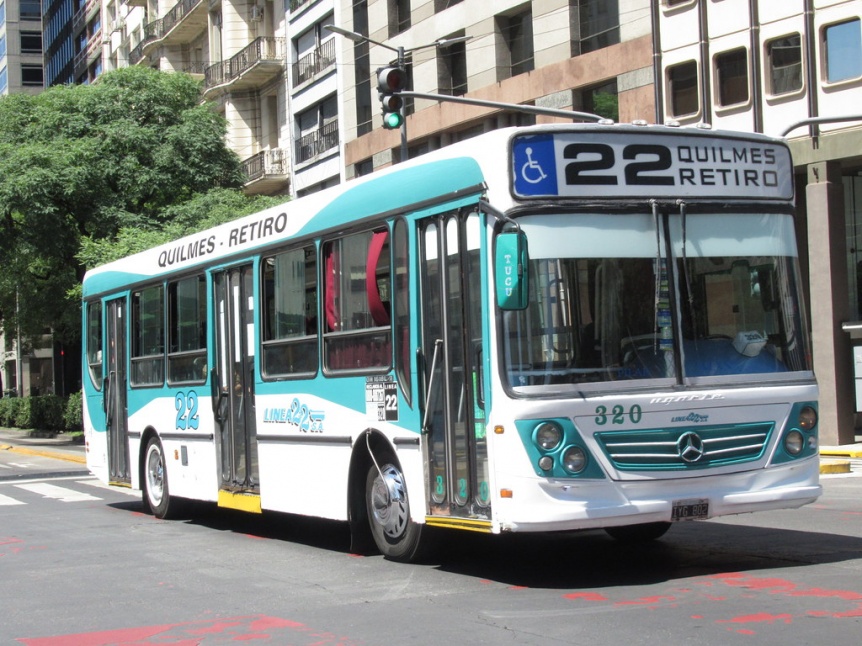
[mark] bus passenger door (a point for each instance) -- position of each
(116, 410)
(452, 353)
(233, 381)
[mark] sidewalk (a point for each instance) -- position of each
(58, 447)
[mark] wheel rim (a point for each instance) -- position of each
(389, 502)
(155, 475)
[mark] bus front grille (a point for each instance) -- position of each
(685, 448)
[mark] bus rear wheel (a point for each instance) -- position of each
(643, 533)
(156, 493)
(396, 535)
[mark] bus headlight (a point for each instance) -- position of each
(807, 418)
(794, 442)
(546, 463)
(548, 436)
(574, 459)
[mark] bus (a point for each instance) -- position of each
(545, 328)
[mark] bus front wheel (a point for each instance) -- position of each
(396, 535)
(156, 493)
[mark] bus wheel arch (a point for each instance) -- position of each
(379, 502)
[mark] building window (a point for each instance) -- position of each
(30, 10)
(682, 89)
(399, 16)
(452, 69)
(602, 100)
(784, 56)
(31, 42)
(842, 44)
(31, 75)
(731, 77)
(517, 37)
(318, 130)
(599, 22)
(442, 5)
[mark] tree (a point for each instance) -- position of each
(80, 164)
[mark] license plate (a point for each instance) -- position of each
(689, 510)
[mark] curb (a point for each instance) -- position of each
(57, 455)
(838, 452)
(834, 466)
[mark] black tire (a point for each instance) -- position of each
(155, 492)
(633, 534)
(397, 537)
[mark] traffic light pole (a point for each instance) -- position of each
(515, 107)
(402, 64)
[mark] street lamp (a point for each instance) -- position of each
(400, 52)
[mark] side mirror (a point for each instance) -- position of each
(510, 262)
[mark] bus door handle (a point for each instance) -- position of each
(107, 401)
(480, 377)
(438, 345)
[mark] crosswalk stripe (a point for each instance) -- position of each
(58, 493)
(6, 500)
(101, 485)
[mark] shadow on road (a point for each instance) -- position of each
(588, 559)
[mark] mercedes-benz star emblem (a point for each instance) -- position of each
(690, 447)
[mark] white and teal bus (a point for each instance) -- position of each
(540, 329)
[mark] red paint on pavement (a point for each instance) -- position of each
(586, 596)
(197, 633)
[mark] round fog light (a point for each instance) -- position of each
(546, 463)
(548, 436)
(794, 442)
(574, 459)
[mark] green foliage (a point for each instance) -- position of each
(73, 416)
(9, 410)
(607, 105)
(196, 214)
(44, 413)
(82, 163)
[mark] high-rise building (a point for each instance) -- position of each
(20, 46)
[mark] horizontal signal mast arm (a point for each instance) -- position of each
(517, 107)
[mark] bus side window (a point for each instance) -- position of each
(357, 289)
(289, 326)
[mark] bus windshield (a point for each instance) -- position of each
(669, 297)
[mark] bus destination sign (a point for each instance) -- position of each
(631, 164)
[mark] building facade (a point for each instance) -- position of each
(794, 69)
(588, 55)
(20, 46)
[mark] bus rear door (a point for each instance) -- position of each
(116, 409)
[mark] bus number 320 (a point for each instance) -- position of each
(618, 415)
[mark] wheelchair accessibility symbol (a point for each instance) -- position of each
(534, 169)
(531, 171)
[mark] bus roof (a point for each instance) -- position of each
(456, 172)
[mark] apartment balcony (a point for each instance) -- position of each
(181, 25)
(251, 68)
(90, 53)
(312, 145)
(267, 172)
(314, 63)
(84, 15)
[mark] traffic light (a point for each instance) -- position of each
(390, 82)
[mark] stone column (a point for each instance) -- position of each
(833, 355)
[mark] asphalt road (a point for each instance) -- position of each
(82, 565)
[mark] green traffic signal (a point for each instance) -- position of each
(392, 120)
